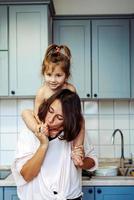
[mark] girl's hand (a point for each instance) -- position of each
(78, 155)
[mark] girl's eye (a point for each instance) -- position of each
(48, 74)
(59, 75)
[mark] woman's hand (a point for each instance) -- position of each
(78, 155)
(42, 133)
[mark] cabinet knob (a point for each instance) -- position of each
(88, 95)
(90, 191)
(99, 191)
(95, 95)
(12, 92)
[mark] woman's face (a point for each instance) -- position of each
(54, 118)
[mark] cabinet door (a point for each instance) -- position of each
(110, 58)
(10, 193)
(1, 193)
(132, 58)
(88, 193)
(3, 28)
(114, 193)
(28, 40)
(3, 73)
(76, 35)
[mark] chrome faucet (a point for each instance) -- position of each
(122, 158)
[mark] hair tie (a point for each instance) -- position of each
(57, 49)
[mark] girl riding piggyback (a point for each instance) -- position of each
(56, 71)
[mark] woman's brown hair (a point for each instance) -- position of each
(71, 108)
(57, 54)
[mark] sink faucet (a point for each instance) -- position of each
(122, 158)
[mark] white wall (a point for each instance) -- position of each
(73, 7)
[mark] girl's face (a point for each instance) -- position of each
(54, 118)
(55, 77)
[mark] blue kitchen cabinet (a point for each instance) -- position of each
(3, 73)
(10, 193)
(132, 58)
(1, 193)
(88, 193)
(114, 193)
(76, 35)
(110, 58)
(108, 193)
(28, 40)
(3, 28)
(101, 60)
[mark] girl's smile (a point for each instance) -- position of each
(55, 76)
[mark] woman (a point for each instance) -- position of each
(44, 167)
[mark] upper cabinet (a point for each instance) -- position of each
(100, 51)
(28, 40)
(110, 59)
(76, 35)
(132, 58)
(3, 28)
(3, 73)
(25, 33)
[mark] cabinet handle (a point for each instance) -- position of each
(12, 92)
(90, 191)
(99, 191)
(95, 95)
(88, 95)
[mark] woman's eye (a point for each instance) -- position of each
(60, 117)
(50, 110)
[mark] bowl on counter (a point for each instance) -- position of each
(4, 173)
(107, 171)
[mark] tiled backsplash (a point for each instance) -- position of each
(101, 118)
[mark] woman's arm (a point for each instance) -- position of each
(32, 167)
(88, 163)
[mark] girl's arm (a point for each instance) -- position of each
(78, 142)
(87, 161)
(32, 167)
(30, 118)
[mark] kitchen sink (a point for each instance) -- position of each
(4, 173)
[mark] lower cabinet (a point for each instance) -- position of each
(108, 193)
(1, 193)
(89, 193)
(8, 193)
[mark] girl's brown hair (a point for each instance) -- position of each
(58, 54)
(71, 108)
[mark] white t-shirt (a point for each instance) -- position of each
(58, 172)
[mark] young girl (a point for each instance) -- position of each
(56, 71)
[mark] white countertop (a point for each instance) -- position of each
(95, 181)
(108, 181)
